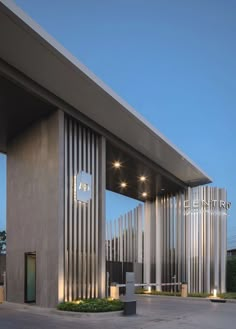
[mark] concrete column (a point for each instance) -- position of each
(102, 219)
(149, 241)
(159, 237)
(34, 215)
(147, 245)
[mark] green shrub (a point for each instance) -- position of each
(199, 294)
(231, 274)
(92, 305)
(166, 293)
(140, 291)
(228, 295)
(154, 292)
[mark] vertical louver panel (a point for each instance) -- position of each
(82, 220)
(190, 239)
(124, 237)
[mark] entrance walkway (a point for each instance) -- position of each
(153, 312)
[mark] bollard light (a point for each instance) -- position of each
(110, 298)
(79, 301)
(214, 293)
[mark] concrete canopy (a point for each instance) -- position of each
(29, 50)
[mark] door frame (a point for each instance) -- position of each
(26, 272)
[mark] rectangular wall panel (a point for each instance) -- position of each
(84, 270)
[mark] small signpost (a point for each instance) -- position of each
(130, 301)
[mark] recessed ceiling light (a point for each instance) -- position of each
(142, 178)
(144, 194)
(162, 189)
(123, 184)
(117, 164)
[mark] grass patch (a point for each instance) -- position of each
(228, 295)
(199, 294)
(157, 293)
(92, 305)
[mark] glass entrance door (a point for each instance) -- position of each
(30, 278)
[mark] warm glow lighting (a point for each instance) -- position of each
(214, 293)
(117, 164)
(142, 178)
(144, 194)
(149, 288)
(75, 188)
(110, 298)
(123, 184)
(78, 301)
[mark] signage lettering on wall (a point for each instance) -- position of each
(221, 204)
(83, 187)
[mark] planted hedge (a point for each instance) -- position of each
(227, 295)
(155, 292)
(92, 305)
(231, 274)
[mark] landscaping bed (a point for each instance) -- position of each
(227, 295)
(92, 305)
(159, 293)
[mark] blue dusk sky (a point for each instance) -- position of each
(174, 61)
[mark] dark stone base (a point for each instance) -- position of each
(217, 300)
(130, 307)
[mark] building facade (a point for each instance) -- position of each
(68, 138)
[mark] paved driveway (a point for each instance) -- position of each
(153, 312)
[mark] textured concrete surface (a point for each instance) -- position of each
(35, 208)
(153, 312)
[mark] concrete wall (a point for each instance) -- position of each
(2, 267)
(35, 187)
